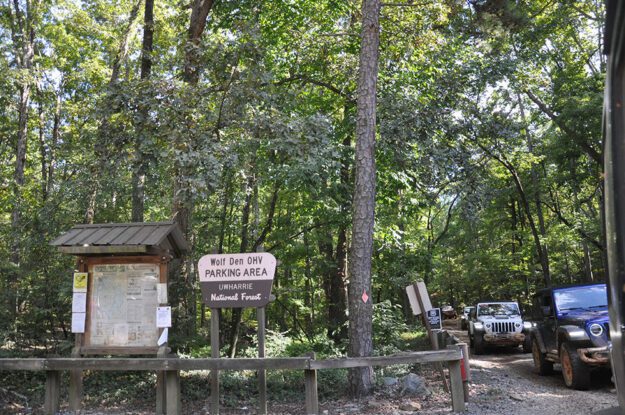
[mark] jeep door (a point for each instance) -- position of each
(549, 324)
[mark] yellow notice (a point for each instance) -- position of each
(80, 282)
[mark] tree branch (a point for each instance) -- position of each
(307, 80)
(447, 220)
(570, 225)
(589, 150)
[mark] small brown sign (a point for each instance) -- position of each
(236, 280)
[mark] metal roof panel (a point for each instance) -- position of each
(165, 236)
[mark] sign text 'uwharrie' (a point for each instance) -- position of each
(237, 280)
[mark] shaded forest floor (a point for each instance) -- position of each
(134, 394)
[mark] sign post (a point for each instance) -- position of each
(421, 304)
(237, 281)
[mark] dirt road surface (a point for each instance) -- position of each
(503, 382)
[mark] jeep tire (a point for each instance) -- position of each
(527, 344)
(576, 373)
(478, 343)
(541, 365)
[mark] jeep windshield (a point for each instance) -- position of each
(586, 298)
(493, 309)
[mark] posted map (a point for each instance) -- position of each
(123, 305)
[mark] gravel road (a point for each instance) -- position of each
(503, 382)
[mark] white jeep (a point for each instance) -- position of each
(497, 324)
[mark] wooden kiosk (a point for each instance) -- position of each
(115, 309)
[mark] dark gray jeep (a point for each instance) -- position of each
(571, 328)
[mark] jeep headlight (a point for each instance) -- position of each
(478, 326)
(488, 325)
(595, 329)
(527, 325)
(517, 325)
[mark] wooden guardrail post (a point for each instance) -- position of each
(455, 377)
(53, 392)
(75, 381)
(172, 389)
(466, 369)
(161, 396)
(310, 379)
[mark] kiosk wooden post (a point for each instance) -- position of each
(75, 376)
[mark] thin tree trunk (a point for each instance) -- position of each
(43, 153)
(23, 35)
(225, 201)
(337, 295)
(536, 193)
(100, 148)
(56, 135)
(544, 260)
(359, 297)
(140, 165)
(235, 322)
(308, 289)
(182, 210)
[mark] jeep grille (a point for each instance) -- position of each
(503, 327)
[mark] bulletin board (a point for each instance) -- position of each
(122, 300)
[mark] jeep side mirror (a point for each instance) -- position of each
(546, 310)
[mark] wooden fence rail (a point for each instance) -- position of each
(172, 366)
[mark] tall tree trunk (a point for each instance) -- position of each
(140, 164)
(308, 290)
(103, 138)
(23, 36)
(43, 153)
(224, 201)
(56, 135)
(199, 13)
(337, 295)
(540, 252)
(536, 193)
(182, 200)
(359, 294)
(235, 322)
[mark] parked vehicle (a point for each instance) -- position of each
(464, 318)
(572, 328)
(496, 323)
(448, 312)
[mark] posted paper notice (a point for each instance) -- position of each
(163, 316)
(161, 293)
(79, 303)
(80, 282)
(78, 322)
(163, 339)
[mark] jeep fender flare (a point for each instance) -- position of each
(573, 334)
(474, 330)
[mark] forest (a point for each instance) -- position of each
(241, 121)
